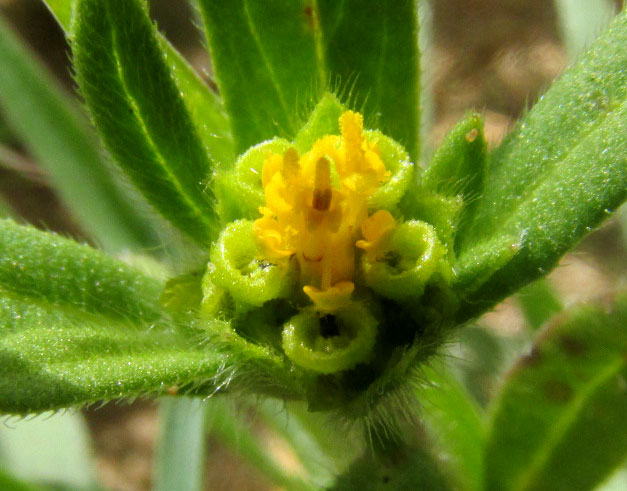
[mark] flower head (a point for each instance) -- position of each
(315, 206)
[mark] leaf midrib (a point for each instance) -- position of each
(562, 425)
(189, 201)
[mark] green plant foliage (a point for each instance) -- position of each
(373, 49)
(39, 266)
(455, 423)
(330, 267)
(409, 466)
(59, 137)
(9, 483)
(458, 166)
(246, 45)
(556, 176)
(142, 118)
(230, 426)
(558, 422)
(539, 303)
(180, 451)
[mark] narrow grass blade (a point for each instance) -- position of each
(181, 448)
(264, 59)
(558, 422)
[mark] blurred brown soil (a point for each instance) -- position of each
(494, 56)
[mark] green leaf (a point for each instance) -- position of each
(559, 420)
(62, 11)
(404, 466)
(45, 267)
(137, 107)
(458, 166)
(51, 359)
(9, 483)
(456, 424)
(560, 173)
(181, 448)
(58, 136)
(538, 302)
(264, 58)
(205, 107)
(373, 49)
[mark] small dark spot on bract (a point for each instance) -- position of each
(385, 479)
(533, 358)
(309, 16)
(557, 391)
(572, 346)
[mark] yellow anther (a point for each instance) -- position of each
(351, 126)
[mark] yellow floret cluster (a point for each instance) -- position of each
(316, 210)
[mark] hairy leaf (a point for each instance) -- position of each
(458, 165)
(559, 421)
(41, 266)
(560, 173)
(58, 135)
(204, 105)
(264, 58)
(372, 49)
(50, 359)
(137, 107)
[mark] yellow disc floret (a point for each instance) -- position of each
(316, 207)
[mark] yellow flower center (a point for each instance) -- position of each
(316, 209)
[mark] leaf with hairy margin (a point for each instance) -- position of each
(553, 179)
(140, 113)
